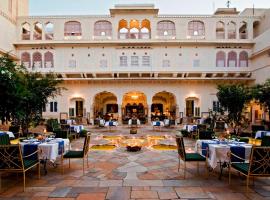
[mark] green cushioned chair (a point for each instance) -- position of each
(12, 160)
(4, 139)
(188, 157)
(81, 154)
(266, 141)
(258, 164)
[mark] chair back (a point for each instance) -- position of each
(205, 135)
(181, 147)
(86, 144)
(61, 134)
(11, 158)
(259, 161)
(266, 141)
(256, 128)
(134, 121)
(4, 139)
(201, 127)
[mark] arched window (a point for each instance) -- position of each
(25, 31)
(73, 28)
(48, 60)
(49, 31)
(166, 28)
(220, 59)
(145, 29)
(37, 60)
(243, 34)
(123, 29)
(134, 29)
(25, 59)
(232, 59)
(196, 28)
(231, 30)
(103, 28)
(243, 59)
(37, 31)
(220, 30)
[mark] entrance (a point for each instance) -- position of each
(79, 108)
(190, 108)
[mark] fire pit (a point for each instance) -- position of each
(134, 144)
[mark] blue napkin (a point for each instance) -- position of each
(239, 151)
(29, 149)
(205, 146)
(110, 123)
(60, 147)
(157, 123)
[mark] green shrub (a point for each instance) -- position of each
(52, 124)
(83, 133)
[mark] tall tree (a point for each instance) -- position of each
(234, 98)
(261, 93)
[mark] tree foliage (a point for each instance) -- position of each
(234, 98)
(23, 93)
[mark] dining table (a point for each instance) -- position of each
(10, 134)
(217, 152)
(261, 134)
(190, 127)
(49, 149)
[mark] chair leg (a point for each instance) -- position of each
(87, 160)
(179, 164)
(229, 169)
(247, 183)
(83, 165)
(24, 181)
(38, 170)
(185, 167)
(69, 162)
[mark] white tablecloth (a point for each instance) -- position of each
(10, 134)
(50, 150)
(70, 121)
(160, 123)
(260, 133)
(190, 128)
(77, 128)
(130, 122)
(219, 152)
(113, 123)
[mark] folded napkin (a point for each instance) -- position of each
(239, 151)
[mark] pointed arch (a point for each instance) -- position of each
(220, 30)
(49, 31)
(25, 31)
(243, 59)
(221, 59)
(73, 28)
(37, 60)
(26, 59)
(48, 60)
(232, 59)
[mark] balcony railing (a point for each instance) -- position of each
(37, 36)
(232, 35)
(49, 36)
(26, 36)
(134, 36)
(243, 36)
(220, 35)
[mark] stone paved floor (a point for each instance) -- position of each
(122, 175)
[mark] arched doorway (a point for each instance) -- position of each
(77, 108)
(105, 106)
(163, 106)
(134, 104)
(192, 107)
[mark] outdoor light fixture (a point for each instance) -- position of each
(134, 97)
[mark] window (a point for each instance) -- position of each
(197, 111)
(216, 106)
(166, 28)
(37, 31)
(123, 29)
(231, 30)
(103, 63)
(53, 106)
(73, 28)
(145, 29)
(123, 61)
(48, 59)
(220, 30)
(196, 63)
(72, 63)
(166, 63)
(44, 108)
(25, 31)
(243, 59)
(134, 60)
(103, 28)
(26, 60)
(37, 60)
(232, 59)
(220, 59)
(243, 31)
(49, 31)
(146, 61)
(196, 28)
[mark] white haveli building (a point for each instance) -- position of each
(137, 61)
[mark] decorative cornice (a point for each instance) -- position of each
(7, 17)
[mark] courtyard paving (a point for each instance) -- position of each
(121, 175)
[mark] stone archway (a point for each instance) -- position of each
(105, 106)
(163, 106)
(134, 103)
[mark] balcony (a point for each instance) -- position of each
(220, 35)
(26, 36)
(134, 36)
(243, 36)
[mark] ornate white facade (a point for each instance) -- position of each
(137, 61)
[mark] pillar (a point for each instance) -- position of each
(149, 114)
